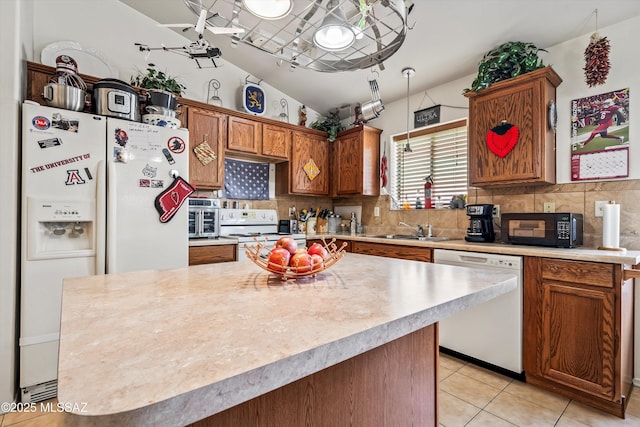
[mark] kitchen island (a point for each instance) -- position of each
(231, 344)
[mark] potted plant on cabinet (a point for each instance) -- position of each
(331, 125)
(508, 60)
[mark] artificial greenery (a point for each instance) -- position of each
(508, 60)
(331, 125)
(155, 79)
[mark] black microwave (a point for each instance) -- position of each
(559, 229)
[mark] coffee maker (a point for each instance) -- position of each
(480, 223)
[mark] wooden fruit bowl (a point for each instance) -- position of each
(259, 254)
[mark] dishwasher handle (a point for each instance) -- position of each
(474, 259)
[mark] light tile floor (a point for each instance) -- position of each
(469, 396)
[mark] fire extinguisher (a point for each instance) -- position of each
(428, 187)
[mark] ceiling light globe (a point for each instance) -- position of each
(269, 9)
(334, 37)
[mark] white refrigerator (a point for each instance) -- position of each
(99, 195)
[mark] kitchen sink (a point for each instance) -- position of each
(410, 237)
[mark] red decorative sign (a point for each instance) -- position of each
(502, 139)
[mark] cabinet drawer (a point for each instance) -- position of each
(392, 251)
(211, 254)
(588, 273)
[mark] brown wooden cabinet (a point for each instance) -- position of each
(356, 158)
(245, 135)
(415, 253)
(276, 142)
(523, 102)
(211, 254)
(257, 140)
(578, 330)
(291, 176)
(210, 127)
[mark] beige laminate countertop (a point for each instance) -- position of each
(576, 254)
(169, 347)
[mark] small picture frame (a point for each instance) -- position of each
(426, 117)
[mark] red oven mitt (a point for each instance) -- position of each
(169, 201)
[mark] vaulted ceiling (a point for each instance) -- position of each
(446, 40)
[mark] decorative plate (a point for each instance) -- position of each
(552, 116)
(254, 99)
(89, 60)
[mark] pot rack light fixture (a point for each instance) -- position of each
(408, 72)
(269, 9)
(320, 35)
(335, 33)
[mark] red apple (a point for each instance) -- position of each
(301, 262)
(278, 260)
(287, 243)
(318, 249)
(317, 262)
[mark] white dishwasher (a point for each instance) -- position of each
(490, 332)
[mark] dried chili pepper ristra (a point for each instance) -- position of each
(596, 57)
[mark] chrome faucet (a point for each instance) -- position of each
(420, 229)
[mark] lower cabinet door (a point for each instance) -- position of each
(578, 337)
(212, 254)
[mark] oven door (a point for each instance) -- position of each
(204, 222)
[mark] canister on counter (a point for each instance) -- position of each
(333, 223)
(311, 226)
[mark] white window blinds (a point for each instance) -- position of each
(439, 151)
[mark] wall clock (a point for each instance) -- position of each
(254, 99)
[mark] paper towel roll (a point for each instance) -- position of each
(611, 225)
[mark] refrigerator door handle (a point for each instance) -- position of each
(100, 221)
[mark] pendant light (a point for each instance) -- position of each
(335, 33)
(408, 72)
(269, 9)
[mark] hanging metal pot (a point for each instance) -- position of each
(372, 109)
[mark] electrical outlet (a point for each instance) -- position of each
(292, 211)
(376, 211)
(496, 211)
(549, 207)
(600, 207)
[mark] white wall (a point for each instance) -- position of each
(567, 60)
(112, 28)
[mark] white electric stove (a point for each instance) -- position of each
(246, 225)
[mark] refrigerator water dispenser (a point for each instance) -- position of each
(60, 229)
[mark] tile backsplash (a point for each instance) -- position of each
(575, 197)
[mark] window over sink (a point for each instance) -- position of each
(439, 151)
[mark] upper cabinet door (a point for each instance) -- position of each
(523, 102)
(276, 142)
(356, 161)
(245, 135)
(308, 151)
(211, 128)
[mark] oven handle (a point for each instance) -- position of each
(200, 222)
